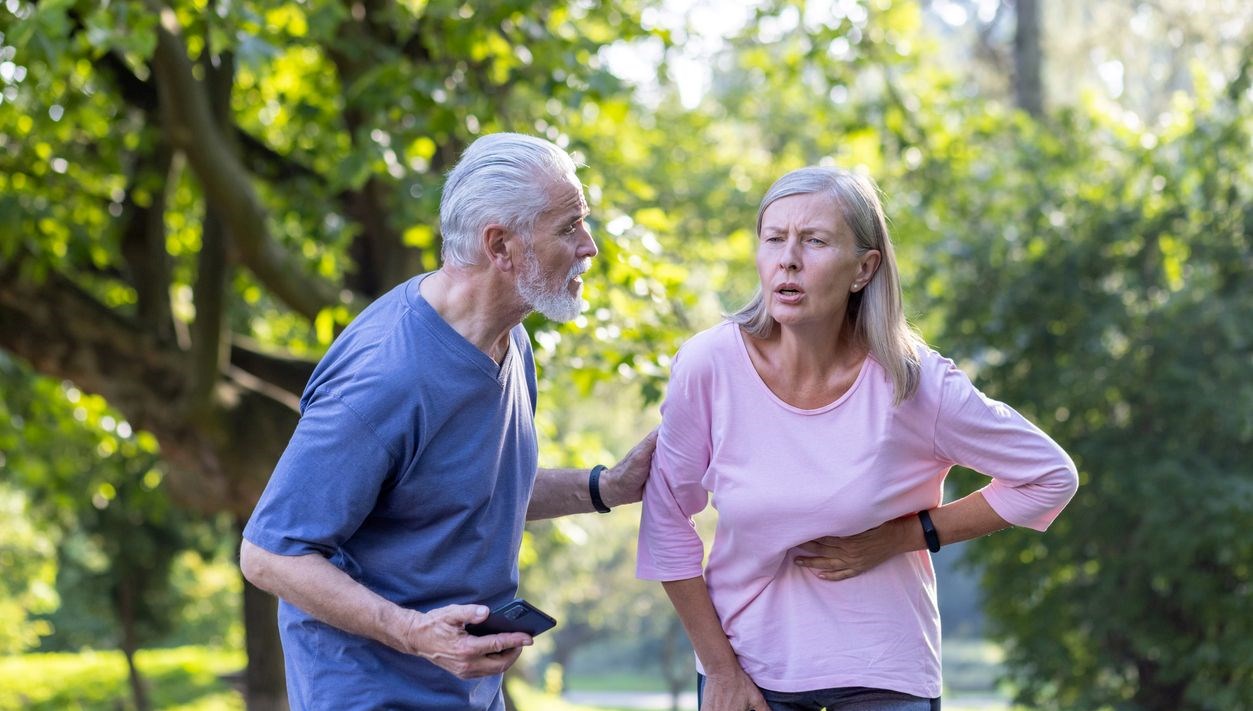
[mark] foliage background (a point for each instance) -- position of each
(180, 237)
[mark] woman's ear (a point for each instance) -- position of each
(868, 265)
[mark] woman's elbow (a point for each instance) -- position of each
(1067, 481)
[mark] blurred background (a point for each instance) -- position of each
(196, 195)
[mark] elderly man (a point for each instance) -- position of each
(395, 515)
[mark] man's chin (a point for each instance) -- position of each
(560, 312)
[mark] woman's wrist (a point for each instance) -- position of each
(723, 663)
(723, 671)
(909, 534)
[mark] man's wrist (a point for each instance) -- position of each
(596, 485)
(400, 629)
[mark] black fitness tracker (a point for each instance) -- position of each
(593, 487)
(929, 532)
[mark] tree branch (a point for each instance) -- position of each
(190, 126)
(286, 372)
(258, 157)
(143, 240)
(221, 462)
(63, 332)
(207, 342)
(381, 257)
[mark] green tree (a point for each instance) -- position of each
(28, 557)
(92, 491)
(1097, 276)
(196, 196)
(1094, 273)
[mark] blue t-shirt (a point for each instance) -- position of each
(410, 470)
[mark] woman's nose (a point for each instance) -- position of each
(789, 258)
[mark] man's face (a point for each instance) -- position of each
(560, 249)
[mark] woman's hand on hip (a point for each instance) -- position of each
(843, 557)
(732, 690)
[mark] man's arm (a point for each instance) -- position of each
(311, 583)
(560, 492)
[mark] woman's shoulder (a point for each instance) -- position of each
(712, 342)
(700, 354)
(932, 361)
(934, 368)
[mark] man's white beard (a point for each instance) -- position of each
(547, 296)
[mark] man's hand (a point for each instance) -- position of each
(840, 558)
(624, 483)
(440, 637)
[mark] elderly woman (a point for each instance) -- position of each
(823, 428)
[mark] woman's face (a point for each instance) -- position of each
(808, 263)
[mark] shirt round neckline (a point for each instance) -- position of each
(747, 362)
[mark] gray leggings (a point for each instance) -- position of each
(847, 698)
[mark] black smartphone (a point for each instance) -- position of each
(516, 616)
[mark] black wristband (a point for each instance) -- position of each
(593, 486)
(929, 532)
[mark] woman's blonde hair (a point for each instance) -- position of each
(875, 314)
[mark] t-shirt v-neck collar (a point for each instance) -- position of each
(449, 336)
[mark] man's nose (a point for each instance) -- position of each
(587, 245)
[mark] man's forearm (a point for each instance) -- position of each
(311, 583)
(561, 492)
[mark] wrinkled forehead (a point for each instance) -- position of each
(566, 196)
(801, 210)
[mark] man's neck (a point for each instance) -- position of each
(479, 305)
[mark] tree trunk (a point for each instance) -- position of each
(669, 663)
(1154, 694)
(265, 679)
(1028, 59)
(130, 644)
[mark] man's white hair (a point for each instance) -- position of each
(501, 178)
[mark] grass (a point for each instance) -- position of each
(191, 679)
(618, 681)
(180, 679)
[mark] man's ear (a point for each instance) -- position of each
(499, 244)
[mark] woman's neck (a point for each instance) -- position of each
(807, 367)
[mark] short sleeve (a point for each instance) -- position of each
(1032, 477)
(325, 484)
(669, 547)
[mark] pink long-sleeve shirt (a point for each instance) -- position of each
(780, 476)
